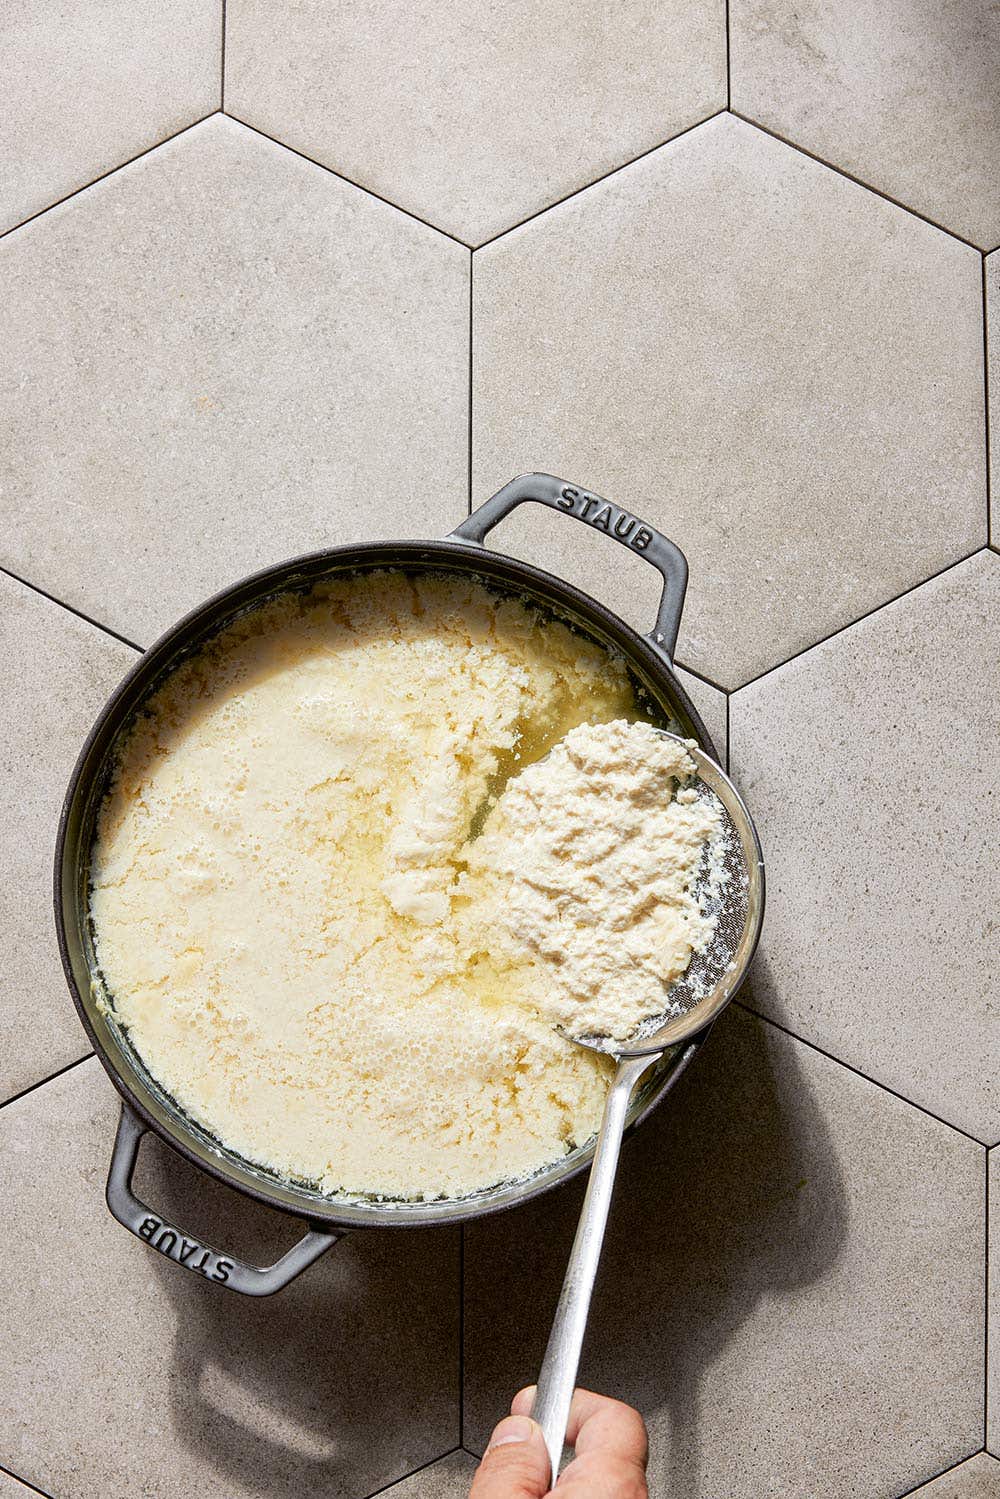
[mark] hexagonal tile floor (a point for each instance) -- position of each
(449, 1478)
(475, 119)
(12, 1488)
(871, 764)
(89, 86)
(173, 332)
(978, 1478)
(778, 369)
(904, 96)
(760, 1300)
(162, 1388)
(56, 671)
(729, 271)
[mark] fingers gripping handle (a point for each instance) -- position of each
(251, 1280)
(621, 525)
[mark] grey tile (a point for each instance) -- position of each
(902, 94)
(870, 765)
(55, 673)
(11, 1489)
(993, 1335)
(89, 85)
(978, 1478)
(448, 1479)
(993, 351)
(711, 704)
(775, 367)
(124, 1374)
(216, 358)
(791, 1291)
(473, 120)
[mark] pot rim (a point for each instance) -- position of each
(197, 625)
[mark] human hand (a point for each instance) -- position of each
(609, 1442)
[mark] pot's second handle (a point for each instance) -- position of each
(252, 1280)
(621, 525)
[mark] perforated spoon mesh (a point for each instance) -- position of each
(730, 889)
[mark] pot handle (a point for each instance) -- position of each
(621, 525)
(251, 1280)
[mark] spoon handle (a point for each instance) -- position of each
(557, 1379)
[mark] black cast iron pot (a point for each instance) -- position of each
(145, 1105)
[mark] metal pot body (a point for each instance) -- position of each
(145, 1104)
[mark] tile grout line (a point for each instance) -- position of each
(342, 177)
(943, 1474)
(33, 1087)
(472, 263)
(865, 1076)
(222, 64)
(612, 172)
(694, 672)
(986, 1312)
(729, 736)
(32, 1488)
(858, 181)
(461, 1335)
(387, 1488)
(986, 410)
(86, 186)
(841, 629)
(71, 609)
(729, 62)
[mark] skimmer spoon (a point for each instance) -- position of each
(730, 885)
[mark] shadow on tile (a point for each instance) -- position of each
(294, 1394)
(729, 1196)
